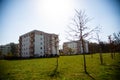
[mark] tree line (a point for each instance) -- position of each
(105, 47)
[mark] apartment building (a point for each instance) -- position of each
(75, 47)
(5, 49)
(9, 48)
(37, 44)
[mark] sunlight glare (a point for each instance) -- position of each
(55, 8)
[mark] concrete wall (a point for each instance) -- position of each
(76, 47)
(39, 45)
(73, 46)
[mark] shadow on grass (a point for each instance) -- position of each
(55, 73)
(112, 70)
(90, 76)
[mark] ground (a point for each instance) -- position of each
(69, 68)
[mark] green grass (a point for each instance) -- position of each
(70, 68)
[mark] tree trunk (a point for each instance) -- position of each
(100, 50)
(84, 58)
(111, 55)
(101, 57)
(57, 63)
(84, 63)
(111, 50)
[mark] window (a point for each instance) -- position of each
(41, 53)
(40, 47)
(41, 43)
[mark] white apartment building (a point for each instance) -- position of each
(8, 48)
(75, 47)
(37, 43)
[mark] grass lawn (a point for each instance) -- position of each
(70, 68)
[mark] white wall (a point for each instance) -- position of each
(86, 47)
(39, 45)
(73, 45)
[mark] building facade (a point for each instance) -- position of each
(75, 47)
(37, 44)
(5, 49)
(9, 48)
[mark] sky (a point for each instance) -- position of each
(18, 17)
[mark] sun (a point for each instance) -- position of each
(55, 8)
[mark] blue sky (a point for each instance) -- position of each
(21, 16)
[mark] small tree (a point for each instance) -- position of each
(56, 49)
(117, 41)
(100, 47)
(111, 44)
(80, 30)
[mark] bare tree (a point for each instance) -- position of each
(55, 72)
(117, 41)
(56, 46)
(97, 38)
(80, 30)
(100, 51)
(110, 42)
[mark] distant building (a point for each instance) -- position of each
(75, 47)
(5, 49)
(37, 44)
(9, 48)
